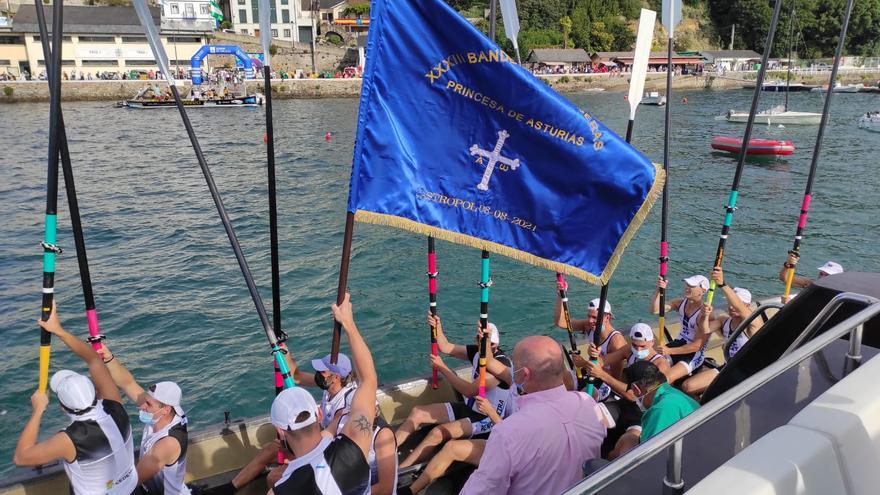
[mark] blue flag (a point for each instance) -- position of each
(456, 141)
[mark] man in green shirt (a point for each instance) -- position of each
(661, 403)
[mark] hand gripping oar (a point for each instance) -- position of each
(95, 336)
(432, 302)
(671, 18)
(146, 19)
(50, 250)
(826, 110)
(280, 336)
(485, 283)
(734, 187)
(636, 87)
(563, 297)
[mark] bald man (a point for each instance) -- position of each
(550, 435)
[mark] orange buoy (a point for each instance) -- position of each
(328, 137)
(265, 139)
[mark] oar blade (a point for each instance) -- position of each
(671, 15)
(146, 18)
(640, 59)
(265, 29)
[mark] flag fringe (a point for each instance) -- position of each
(446, 235)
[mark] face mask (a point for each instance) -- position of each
(640, 353)
(519, 386)
(146, 418)
(320, 381)
(641, 404)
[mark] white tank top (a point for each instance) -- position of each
(632, 359)
(740, 341)
(688, 323)
(170, 479)
(339, 402)
(497, 396)
(604, 389)
(371, 460)
(104, 462)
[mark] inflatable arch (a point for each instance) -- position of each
(204, 51)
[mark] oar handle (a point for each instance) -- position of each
(432, 304)
(485, 283)
(789, 279)
(563, 297)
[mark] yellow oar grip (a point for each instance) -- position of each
(789, 279)
(711, 294)
(45, 352)
(662, 322)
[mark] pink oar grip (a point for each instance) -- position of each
(94, 328)
(805, 207)
(664, 253)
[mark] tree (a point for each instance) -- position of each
(565, 24)
(357, 10)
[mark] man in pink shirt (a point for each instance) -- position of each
(542, 446)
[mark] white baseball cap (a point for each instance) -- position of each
(167, 393)
(831, 268)
(289, 404)
(641, 331)
(75, 392)
(494, 337)
(698, 281)
(744, 295)
(341, 368)
(594, 304)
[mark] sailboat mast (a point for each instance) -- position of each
(788, 69)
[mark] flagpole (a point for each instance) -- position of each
(50, 250)
(95, 336)
(642, 53)
(669, 22)
(734, 187)
(826, 111)
(343, 283)
(146, 18)
(563, 297)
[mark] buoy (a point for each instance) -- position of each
(625, 97)
(328, 137)
(685, 100)
(265, 139)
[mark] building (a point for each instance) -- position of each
(190, 15)
(97, 39)
(561, 58)
(656, 60)
(731, 59)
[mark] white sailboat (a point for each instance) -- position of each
(780, 114)
(840, 88)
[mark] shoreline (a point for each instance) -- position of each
(117, 90)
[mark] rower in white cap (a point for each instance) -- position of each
(739, 308)
(97, 445)
(457, 419)
(688, 350)
(829, 268)
(162, 464)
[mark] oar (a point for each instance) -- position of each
(280, 336)
(734, 187)
(95, 336)
(432, 302)
(826, 110)
(636, 87)
(146, 18)
(671, 18)
(572, 343)
(485, 283)
(50, 250)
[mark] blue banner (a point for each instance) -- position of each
(456, 141)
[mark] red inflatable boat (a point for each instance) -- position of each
(756, 146)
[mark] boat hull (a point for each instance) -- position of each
(790, 118)
(756, 146)
(246, 101)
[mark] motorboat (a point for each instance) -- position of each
(152, 97)
(783, 86)
(755, 147)
(776, 115)
(870, 121)
(840, 88)
(654, 98)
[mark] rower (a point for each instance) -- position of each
(382, 458)
(456, 419)
(324, 464)
(96, 446)
(161, 467)
(627, 417)
(829, 268)
(738, 309)
(688, 350)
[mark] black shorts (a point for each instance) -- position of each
(481, 425)
(692, 360)
(626, 413)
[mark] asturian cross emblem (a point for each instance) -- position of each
(494, 157)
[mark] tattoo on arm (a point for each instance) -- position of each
(363, 425)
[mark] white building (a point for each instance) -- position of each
(291, 20)
(187, 15)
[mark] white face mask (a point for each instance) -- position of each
(640, 353)
(641, 404)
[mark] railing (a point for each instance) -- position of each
(833, 305)
(671, 438)
(761, 311)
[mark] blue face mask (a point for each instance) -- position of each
(146, 418)
(640, 353)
